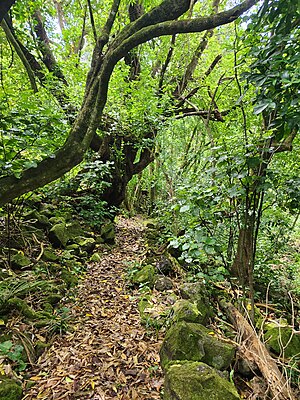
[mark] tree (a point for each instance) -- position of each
(159, 21)
(5, 7)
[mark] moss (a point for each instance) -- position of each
(193, 342)
(53, 298)
(107, 232)
(10, 389)
(86, 244)
(19, 260)
(197, 381)
(49, 255)
(40, 347)
(196, 293)
(96, 257)
(58, 235)
(18, 304)
(186, 311)
(283, 341)
(145, 275)
(69, 279)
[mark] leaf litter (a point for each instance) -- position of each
(108, 354)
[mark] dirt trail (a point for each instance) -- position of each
(109, 355)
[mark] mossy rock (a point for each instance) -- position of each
(53, 298)
(145, 276)
(70, 279)
(283, 340)
(163, 283)
(75, 229)
(85, 244)
(184, 310)
(49, 255)
(57, 220)
(96, 257)
(197, 381)
(19, 260)
(58, 235)
(193, 342)
(20, 305)
(107, 232)
(10, 389)
(196, 293)
(74, 248)
(39, 220)
(144, 303)
(40, 347)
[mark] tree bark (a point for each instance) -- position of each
(5, 6)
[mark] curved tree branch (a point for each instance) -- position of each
(5, 6)
(143, 29)
(20, 53)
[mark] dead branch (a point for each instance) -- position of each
(254, 350)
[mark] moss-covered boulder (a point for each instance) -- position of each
(197, 381)
(19, 260)
(10, 389)
(196, 293)
(107, 232)
(58, 235)
(145, 276)
(75, 229)
(193, 342)
(184, 310)
(283, 340)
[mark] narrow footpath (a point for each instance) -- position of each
(109, 354)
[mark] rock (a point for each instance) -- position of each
(184, 310)
(283, 340)
(73, 248)
(19, 260)
(39, 220)
(69, 279)
(58, 235)
(107, 232)
(74, 229)
(193, 342)
(163, 283)
(49, 255)
(164, 266)
(57, 220)
(246, 368)
(196, 293)
(144, 304)
(96, 257)
(197, 381)
(85, 244)
(145, 276)
(10, 389)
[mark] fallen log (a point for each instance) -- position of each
(254, 350)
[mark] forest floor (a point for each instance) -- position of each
(108, 354)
